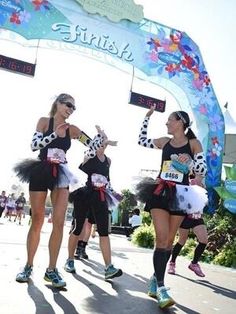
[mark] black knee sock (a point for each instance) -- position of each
(175, 252)
(79, 244)
(159, 262)
(168, 254)
(83, 244)
(198, 252)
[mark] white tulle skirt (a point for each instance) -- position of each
(191, 198)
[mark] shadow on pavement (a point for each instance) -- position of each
(41, 304)
(217, 289)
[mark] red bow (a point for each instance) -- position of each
(162, 184)
(102, 190)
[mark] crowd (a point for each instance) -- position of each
(12, 207)
(170, 198)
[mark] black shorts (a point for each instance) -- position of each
(80, 213)
(91, 218)
(93, 208)
(160, 202)
(42, 178)
(100, 213)
(189, 223)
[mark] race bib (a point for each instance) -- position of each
(98, 180)
(168, 172)
(56, 156)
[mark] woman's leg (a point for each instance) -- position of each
(183, 236)
(161, 226)
(202, 236)
(165, 226)
(37, 201)
(59, 201)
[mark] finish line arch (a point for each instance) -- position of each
(165, 56)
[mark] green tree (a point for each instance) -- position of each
(126, 205)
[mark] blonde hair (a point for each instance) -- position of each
(61, 98)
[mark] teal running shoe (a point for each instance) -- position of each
(25, 274)
(163, 298)
(111, 272)
(70, 266)
(152, 287)
(54, 277)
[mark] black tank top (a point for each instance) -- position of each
(63, 143)
(95, 165)
(169, 150)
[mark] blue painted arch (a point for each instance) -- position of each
(168, 57)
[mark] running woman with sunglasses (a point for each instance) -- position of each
(49, 171)
(169, 198)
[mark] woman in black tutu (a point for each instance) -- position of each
(169, 197)
(93, 201)
(50, 172)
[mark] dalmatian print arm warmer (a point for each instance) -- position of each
(143, 140)
(200, 166)
(90, 153)
(39, 142)
(94, 145)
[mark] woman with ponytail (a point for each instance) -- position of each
(170, 198)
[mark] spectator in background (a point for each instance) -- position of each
(20, 203)
(135, 221)
(10, 205)
(3, 201)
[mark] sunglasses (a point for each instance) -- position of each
(69, 105)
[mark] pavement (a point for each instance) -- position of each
(88, 292)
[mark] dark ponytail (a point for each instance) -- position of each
(190, 134)
(184, 117)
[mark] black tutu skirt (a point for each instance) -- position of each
(156, 194)
(55, 175)
(81, 194)
(87, 193)
(28, 168)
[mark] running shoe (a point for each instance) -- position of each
(163, 298)
(197, 269)
(54, 277)
(152, 287)
(25, 274)
(69, 266)
(171, 269)
(111, 272)
(81, 253)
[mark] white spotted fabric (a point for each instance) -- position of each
(39, 142)
(143, 140)
(93, 145)
(191, 198)
(200, 166)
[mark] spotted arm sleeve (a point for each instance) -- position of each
(39, 142)
(94, 145)
(143, 140)
(199, 164)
